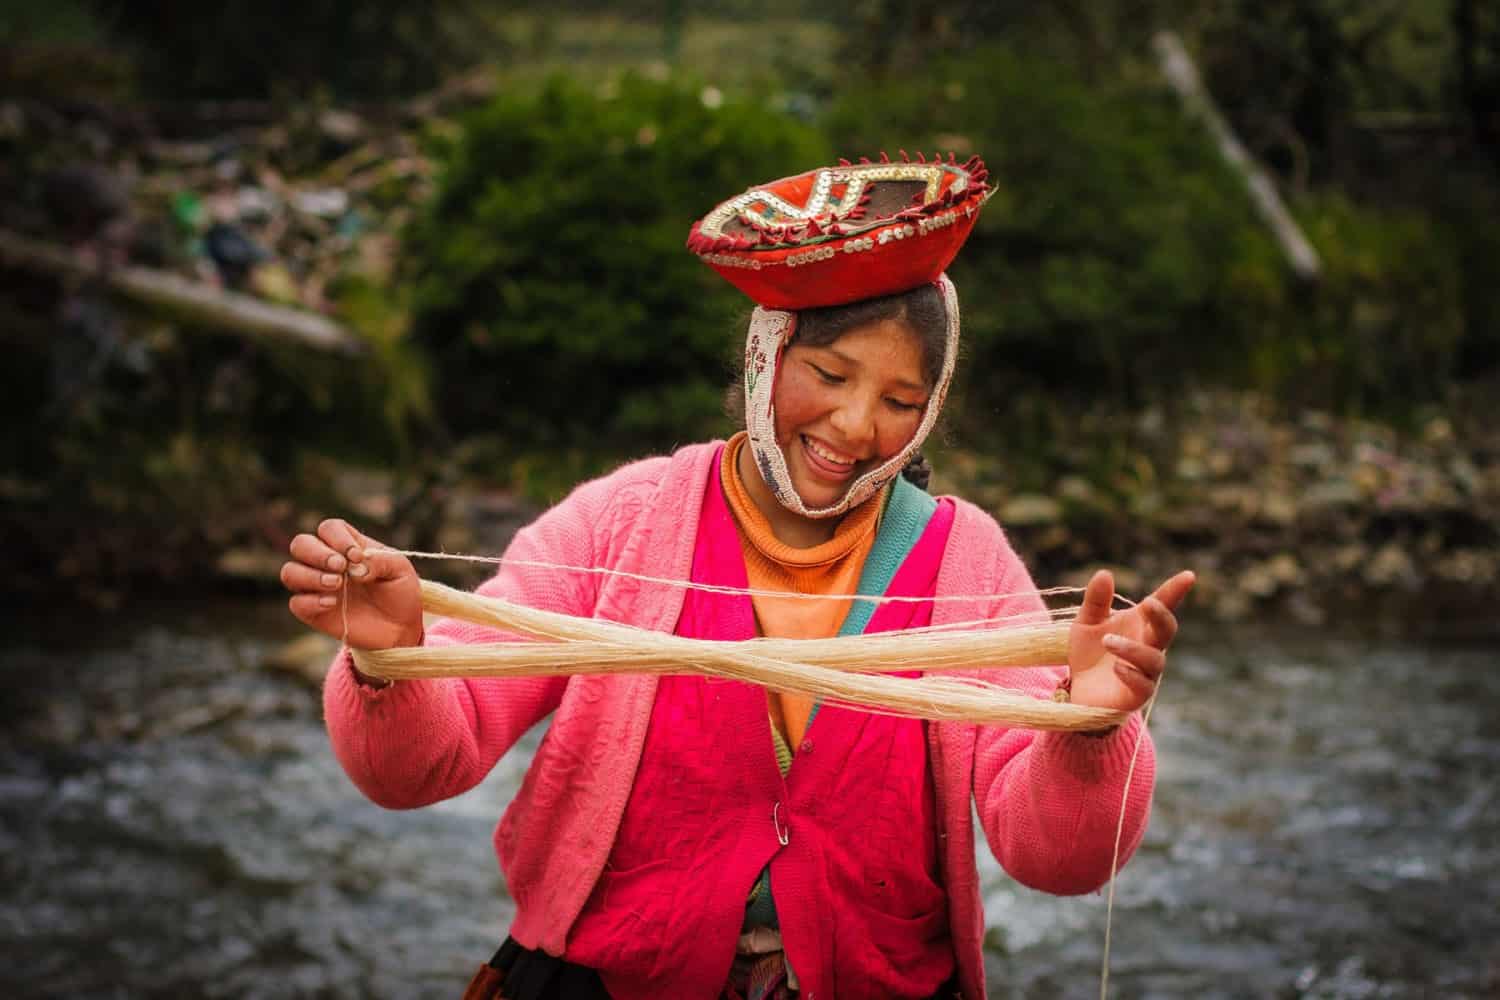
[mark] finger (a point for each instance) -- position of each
(313, 551)
(1160, 622)
(1098, 597)
(1139, 684)
(384, 564)
(1145, 658)
(303, 579)
(1174, 590)
(312, 609)
(340, 536)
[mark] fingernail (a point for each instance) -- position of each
(330, 579)
(1114, 641)
(327, 600)
(355, 553)
(359, 570)
(336, 563)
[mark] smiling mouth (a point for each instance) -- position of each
(826, 461)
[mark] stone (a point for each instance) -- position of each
(1390, 566)
(1278, 508)
(1332, 494)
(1030, 509)
(1313, 455)
(250, 564)
(324, 203)
(1146, 504)
(1285, 569)
(1077, 490)
(305, 657)
(1258, 581)
(343, 127)
(1233, 498)
(1232, 606)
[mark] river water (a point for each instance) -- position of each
(173, 824)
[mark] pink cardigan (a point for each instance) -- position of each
(1047, 802)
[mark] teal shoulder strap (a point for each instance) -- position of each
(906, 516)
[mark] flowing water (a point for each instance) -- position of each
(173, 824)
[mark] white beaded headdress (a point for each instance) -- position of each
(770, 331)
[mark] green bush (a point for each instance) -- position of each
(1120, 257)
(553, 292)
(369, 49)
(1099, 265)
(1381, 330)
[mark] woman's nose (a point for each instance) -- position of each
(855, 421)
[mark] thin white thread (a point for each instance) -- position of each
(733, 591)
(1114, 861)
(344, 610)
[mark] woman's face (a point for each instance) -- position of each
(844, 409)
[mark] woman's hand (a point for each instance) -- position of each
(1115, 658)
(384, 599)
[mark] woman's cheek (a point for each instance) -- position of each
(897, 433)
(796, 404)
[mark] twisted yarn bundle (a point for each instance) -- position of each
(848, 670)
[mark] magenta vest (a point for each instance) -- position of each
(856, 884)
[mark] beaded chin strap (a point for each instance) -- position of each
(770, 329)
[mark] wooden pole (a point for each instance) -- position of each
(1180, 72)
(192, 301)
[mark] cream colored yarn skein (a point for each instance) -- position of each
(847, 670)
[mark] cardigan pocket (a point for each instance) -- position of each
(902, 955)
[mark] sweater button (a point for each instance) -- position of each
(806, 747)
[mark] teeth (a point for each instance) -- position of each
(822, 452)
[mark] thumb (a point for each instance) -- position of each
(1098, 598)
(386, 564)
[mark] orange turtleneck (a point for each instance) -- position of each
(832, 567)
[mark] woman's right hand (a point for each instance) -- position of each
(384, 599)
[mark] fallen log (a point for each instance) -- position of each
(191, 301)
(1177, 66)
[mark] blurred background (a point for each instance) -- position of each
(1235, 306)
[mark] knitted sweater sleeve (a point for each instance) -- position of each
(416, 742)
(1049, 802)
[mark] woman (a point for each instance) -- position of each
(690, 838)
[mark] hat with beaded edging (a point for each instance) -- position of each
(841, 234)
(831, 237)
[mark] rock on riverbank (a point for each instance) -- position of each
(1314, 517)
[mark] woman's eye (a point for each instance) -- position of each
(828, 376)
(899, 404)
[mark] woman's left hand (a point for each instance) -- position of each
(1116, 657)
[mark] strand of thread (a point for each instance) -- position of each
(1114, 861)
(709, 588)
(344, 611)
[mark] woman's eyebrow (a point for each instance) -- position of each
(902, 383)
(846, 359)
(899, 383)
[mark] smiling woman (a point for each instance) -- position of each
(679, 835)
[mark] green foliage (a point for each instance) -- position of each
(1099, 264)
(1120, 257)
(369, 48)
(1383, 329)
(396, 387)
(552, 288)
(49, 22)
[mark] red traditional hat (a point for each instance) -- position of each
(845, 233)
